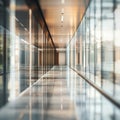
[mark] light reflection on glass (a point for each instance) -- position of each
(12, 82)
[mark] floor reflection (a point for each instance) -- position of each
(60, 95)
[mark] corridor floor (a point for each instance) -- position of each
(60, 95)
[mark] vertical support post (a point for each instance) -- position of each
(30, 46)
(4, 58)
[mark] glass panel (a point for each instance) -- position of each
(117, 50)
(98, 46)
(98, 42)
(15, 33)
(92, 41)
(107, 46)
(87, 43)
(1, 48)
(16, 41)
(1, 52)
(83, 47)
(117, 43)
(40, 41)
(78, 49)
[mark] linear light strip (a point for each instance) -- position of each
(30, 47)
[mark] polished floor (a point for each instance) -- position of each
(60, 95)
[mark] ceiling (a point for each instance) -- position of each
(62, 18)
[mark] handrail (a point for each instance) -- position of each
(111, 99)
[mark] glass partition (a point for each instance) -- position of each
(97, 46)
(24, 45)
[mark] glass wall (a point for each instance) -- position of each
(98, 46)
(1, 51)
(24, 45)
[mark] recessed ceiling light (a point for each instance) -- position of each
(61, 40)
(62, 18)
(62, 1)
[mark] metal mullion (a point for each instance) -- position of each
(4, 58)
(114, 51)
(89, 43)
(85, 46)
(101, 46)
(95, 41)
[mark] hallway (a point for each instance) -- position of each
(60, 94)
(59, 59)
